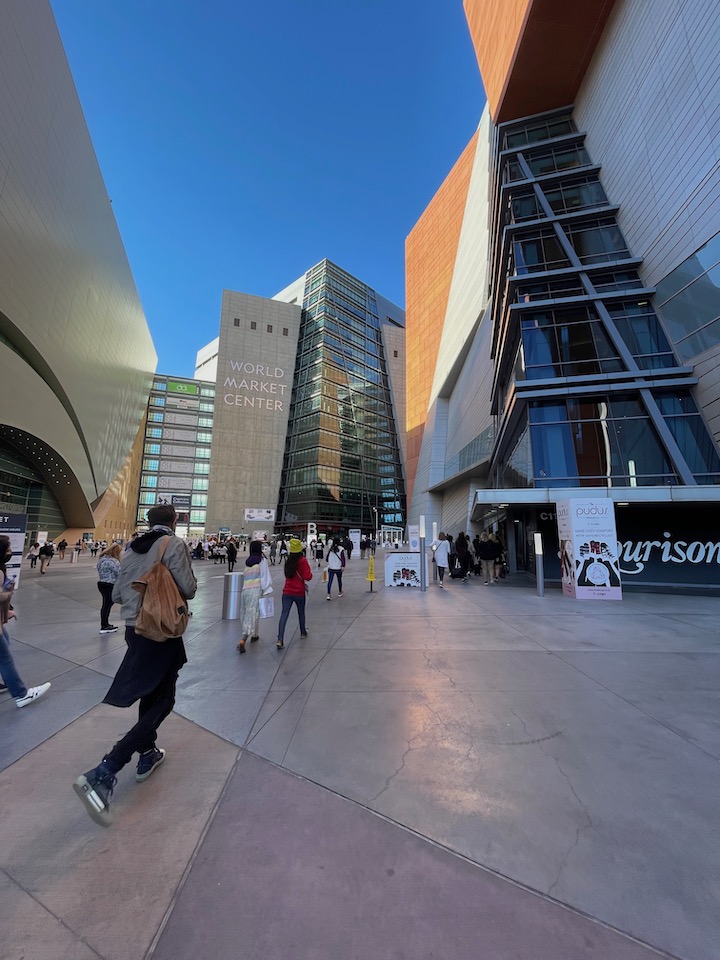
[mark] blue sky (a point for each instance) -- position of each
(241, 142)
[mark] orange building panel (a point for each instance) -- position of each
(533, 54)
(430, 252)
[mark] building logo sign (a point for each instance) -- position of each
(260, 513)
(188, 388)
(256, 385)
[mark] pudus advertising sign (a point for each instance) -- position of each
(588, 549)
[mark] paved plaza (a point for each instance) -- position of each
(475, 773)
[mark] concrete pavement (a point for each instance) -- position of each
(468, 773)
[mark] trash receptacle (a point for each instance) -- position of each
(232, 595)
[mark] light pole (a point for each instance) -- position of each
(374, 510)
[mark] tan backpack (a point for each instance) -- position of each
(164, 611)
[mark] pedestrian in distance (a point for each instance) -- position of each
(32, 555)
(273, 552)
(11, 679)
(62, 547)
(319, 552)
(149, 670)
(336, 564)
(487, 555)
(231, 555)
(463, 556)
(497, 559)
(108, 568)
(441, 554)
(297, 577)
(257, 582)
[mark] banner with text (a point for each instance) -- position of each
(588, 549)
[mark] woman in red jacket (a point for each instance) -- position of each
(297, 575)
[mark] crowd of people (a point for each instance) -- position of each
(484, 557)
(149, 671)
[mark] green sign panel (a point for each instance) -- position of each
(188, 388)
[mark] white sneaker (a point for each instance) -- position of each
(34, 693)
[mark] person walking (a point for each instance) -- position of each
(62, 547)
(336, 564)
(256, 583)
(497, 559)
(297, 575)
(11, 679)
(32, 555)
(283, 551)
(45, 554)
(273, 552)
(319, 552)
(108, 568)
(231, 555)
(463, 556)
(149, 670)
(487, 558)
(441, 554)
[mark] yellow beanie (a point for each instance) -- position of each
(295, 545)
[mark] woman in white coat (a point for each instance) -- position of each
(258, 581)
(441, 553)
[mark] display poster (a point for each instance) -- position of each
(414, 536)
(259, 513)
(42, 537)
(13, 526)
(588, 549)
(355, 537)
(403, 569)
(181, 501)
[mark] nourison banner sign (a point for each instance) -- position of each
(663, 544)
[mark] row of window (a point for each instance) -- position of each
(268, 327)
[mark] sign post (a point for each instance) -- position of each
(13, 526)
(371, 572)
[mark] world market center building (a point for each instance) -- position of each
(309, 392)
(564, 339)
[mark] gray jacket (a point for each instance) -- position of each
(141, 555)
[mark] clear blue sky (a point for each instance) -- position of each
(242, 141)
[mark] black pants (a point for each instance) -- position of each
(106, 590)
(152, 711)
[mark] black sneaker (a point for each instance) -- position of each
(109, 629)
(95, 789)
(148, 762)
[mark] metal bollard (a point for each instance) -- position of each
(232, 595)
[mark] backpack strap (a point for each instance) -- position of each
(167, 538)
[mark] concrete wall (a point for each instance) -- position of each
(82, 358)
(252, 406)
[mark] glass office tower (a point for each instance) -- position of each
(342, 466)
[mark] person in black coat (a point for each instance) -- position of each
(231, 555)
(149, 670)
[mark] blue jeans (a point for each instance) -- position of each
(334, 573)
(287, 602)
(7, 668)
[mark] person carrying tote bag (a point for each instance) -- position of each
(256, 583)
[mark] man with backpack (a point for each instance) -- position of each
(150, 668)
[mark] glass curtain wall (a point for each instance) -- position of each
(573, 320)
(342, 467)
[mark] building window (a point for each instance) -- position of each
(202, 468)
(596, 241)
(253, 325)
(204, 437)
(200, 483)
(154, 432)
(536, 252)
(285, 331)
(207, 391)
(148, 497)
(269, 328)
(236, 321)
(150, 481)
(157, 401)
(197, 516)
(151, 465)
(153, 448)
(157, 417)
(202, 453)
(206, 407)
(199, 500)
(159, 385)
(205, 421)
(395, 353)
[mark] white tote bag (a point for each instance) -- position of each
(267, 607)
